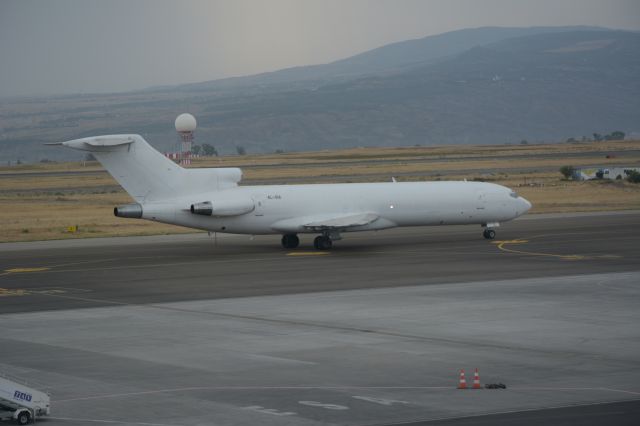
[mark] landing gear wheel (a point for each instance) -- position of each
(489, 234)
(23, 418)
(290, 241)
(322, 243)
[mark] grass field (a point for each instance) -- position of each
(41, 201)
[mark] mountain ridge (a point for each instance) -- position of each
(546, 86)
(385, 58)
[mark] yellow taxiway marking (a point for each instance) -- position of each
(44, 291)
(501, 246)
(19, 270)
(6, 292)
(500, 242)
(308, 253)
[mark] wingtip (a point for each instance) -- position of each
(53, 143)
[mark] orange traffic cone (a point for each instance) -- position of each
(476, 380)
(463, 382)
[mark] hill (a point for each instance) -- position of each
(385, 59)
(540, 87)
(483, 85)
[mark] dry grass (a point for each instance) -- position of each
(42, 207)
(45, 217)
(583, 196)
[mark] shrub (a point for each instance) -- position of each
(633, 176)
(567, 171)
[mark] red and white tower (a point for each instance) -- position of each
(185, 126)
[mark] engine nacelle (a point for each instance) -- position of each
(229, 207)
(128, 210)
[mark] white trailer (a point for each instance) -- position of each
(20, 402)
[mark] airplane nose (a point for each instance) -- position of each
(526, 205)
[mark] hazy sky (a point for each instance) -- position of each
(81, 46)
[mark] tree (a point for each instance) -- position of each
(196, 149)
(615, 136)
(241, 150)
(633, 176)
(597, 137)
(567, 171)
(209, 150)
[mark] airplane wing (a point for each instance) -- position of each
(341, 222)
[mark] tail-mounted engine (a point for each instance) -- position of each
(128, 210)
(228, 207)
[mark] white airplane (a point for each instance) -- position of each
(210, 199)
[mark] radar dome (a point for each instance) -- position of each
(185, 123)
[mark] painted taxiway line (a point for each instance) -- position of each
(112, 422)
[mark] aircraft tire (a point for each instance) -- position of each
(489, 234)
(322, 243)
(290, 241)
(326, 243)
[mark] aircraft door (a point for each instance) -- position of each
(259, 201)
(481, 201)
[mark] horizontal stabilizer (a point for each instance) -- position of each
(97, 142)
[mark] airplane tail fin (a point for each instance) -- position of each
(146, 174)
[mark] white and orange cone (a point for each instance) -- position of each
(476, 380)
(462, 384)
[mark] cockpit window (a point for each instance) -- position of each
(513, 193)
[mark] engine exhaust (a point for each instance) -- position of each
(133, 211)
(205, 208)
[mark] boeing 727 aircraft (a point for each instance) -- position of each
(210, 199)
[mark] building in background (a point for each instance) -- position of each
(612, 173)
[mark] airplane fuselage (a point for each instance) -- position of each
(286, 208)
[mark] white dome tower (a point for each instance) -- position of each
(185, 126)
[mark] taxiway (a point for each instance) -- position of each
(188, 329)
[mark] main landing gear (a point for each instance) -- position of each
(489, 234)
(322, 242)
(290, 241)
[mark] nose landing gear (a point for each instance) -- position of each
(489, 234)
